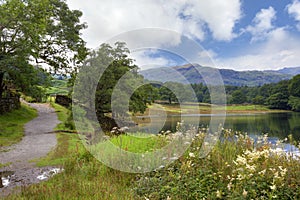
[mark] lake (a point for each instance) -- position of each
(277, 125)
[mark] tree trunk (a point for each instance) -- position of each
(1, 184)
(170, 100)
(1, 83)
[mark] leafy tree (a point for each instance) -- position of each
(44, 31)
(258, 100)
(176, 92)
(119, 82)
(278, 101)
(294, 90)
(167, 94)
(238, 97)
(294, 103)
(294, 86)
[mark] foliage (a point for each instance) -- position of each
(44, 30)
(294, 86)
(65, 116)
(238, 97)
(278, 101)
(176, 92)
(294, 103)
(258, 100)
(237, 168)
(11, 124)
(119, 82)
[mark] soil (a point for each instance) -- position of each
(36, 143)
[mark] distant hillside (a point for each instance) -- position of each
(230, 77)
(291, 70)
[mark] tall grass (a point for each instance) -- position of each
(237, 168)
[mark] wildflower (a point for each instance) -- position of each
(229, 186)
(262, 172)
(245, 193)
(219, 194)
(273, 187)
(192, 155)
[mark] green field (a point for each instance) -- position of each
(58, 87)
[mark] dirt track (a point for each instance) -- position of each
(36, 143)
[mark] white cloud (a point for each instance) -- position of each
(280, 50)
(262, 24)
(107, 18)
(145, 59)
(294, 10)
(207, 57)
(219, 15)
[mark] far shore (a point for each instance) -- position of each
(204, 108)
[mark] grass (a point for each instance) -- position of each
(138, 143)
(83, 177)
(203, 108)
(5, 164)
(62, 114)
(58, 87)
(234, 169)
(12, 124)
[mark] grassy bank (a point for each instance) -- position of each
(236, 168)
(203, 108)
(12, 124)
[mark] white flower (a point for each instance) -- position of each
(262, 172)
(192, 155)
(245, 193)
(219, 194)
(273, 187)
(229, 186)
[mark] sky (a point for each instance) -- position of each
(232, 34)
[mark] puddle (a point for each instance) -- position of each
(5, 178)
(49, 173)
(27, 177)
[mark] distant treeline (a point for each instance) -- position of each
(282, 95)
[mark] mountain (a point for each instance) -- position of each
(291, 70)
(190, 74)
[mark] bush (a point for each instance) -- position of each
(237, 168)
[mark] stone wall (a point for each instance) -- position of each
(9, 103)
(63, 100)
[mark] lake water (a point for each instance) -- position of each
(277, 125)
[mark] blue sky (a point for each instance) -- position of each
(240, 35)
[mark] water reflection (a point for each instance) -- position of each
(278, 125)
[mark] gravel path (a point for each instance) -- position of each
(36, 143)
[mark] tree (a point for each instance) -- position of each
(294, 86)
(167, 94)
(118, 84)
(294, 90)
(294, 103)
(278, 101)
(44, 31)
(238, 97)
(258, 100)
